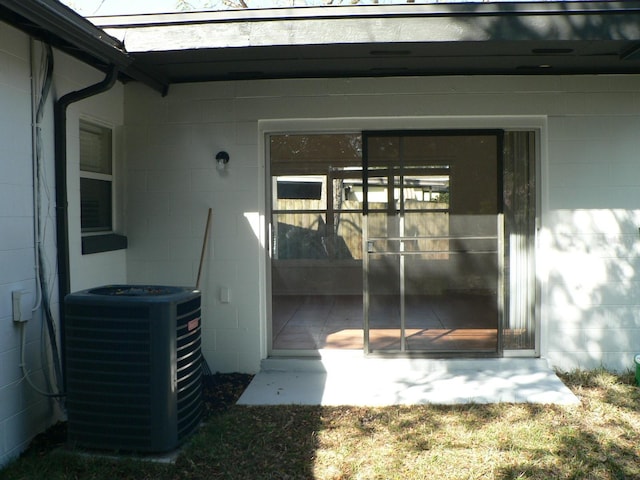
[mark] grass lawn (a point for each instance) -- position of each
(599, 439)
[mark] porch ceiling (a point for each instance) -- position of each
(437, 39)
(393, 59)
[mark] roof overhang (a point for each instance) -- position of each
(511, 38)
(505, 38)
(58, 25)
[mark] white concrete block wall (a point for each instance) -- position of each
(23, 413)
(588, 189)
(592, 238)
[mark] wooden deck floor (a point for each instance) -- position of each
(451, 323)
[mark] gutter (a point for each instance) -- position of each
(62, 213)
(55, 18)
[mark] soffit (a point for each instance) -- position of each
(439, 39)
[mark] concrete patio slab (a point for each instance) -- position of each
(349, 378)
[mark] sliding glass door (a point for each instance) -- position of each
(402, 242)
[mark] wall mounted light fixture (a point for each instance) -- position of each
(222, 159)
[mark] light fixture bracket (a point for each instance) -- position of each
(222, 159)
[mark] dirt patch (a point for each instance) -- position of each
(222, 390)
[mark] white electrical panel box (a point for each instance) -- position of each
(22, 305)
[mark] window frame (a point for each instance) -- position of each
(104, 239)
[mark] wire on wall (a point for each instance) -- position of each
(41, 88)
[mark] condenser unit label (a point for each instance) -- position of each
(193, 324)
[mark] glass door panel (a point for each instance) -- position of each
(520, 330)
(432, 269)
(315, 242)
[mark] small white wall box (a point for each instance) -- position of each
(225, 295)
(22, 304)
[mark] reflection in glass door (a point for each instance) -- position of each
(432, 241)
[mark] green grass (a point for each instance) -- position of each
(599, 439)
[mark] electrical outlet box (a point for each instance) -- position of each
(22, 303)
(225, 295)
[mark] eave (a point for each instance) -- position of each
(58, 25)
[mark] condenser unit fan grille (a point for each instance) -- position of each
(134, 367)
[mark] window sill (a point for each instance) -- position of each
(103, 243)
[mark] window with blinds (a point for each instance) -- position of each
(96, 177)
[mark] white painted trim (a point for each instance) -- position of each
(351, 124)
(542, 211)
(264, 276)
(519, 354)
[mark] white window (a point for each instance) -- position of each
(96, 178)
